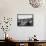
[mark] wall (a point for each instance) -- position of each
(10, 8)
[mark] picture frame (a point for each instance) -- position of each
(24, 19)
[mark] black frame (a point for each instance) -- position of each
(30, 19)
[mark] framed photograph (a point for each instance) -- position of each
(24, 19)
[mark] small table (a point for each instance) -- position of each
(27, 42)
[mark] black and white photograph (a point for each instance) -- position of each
(24, 19)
